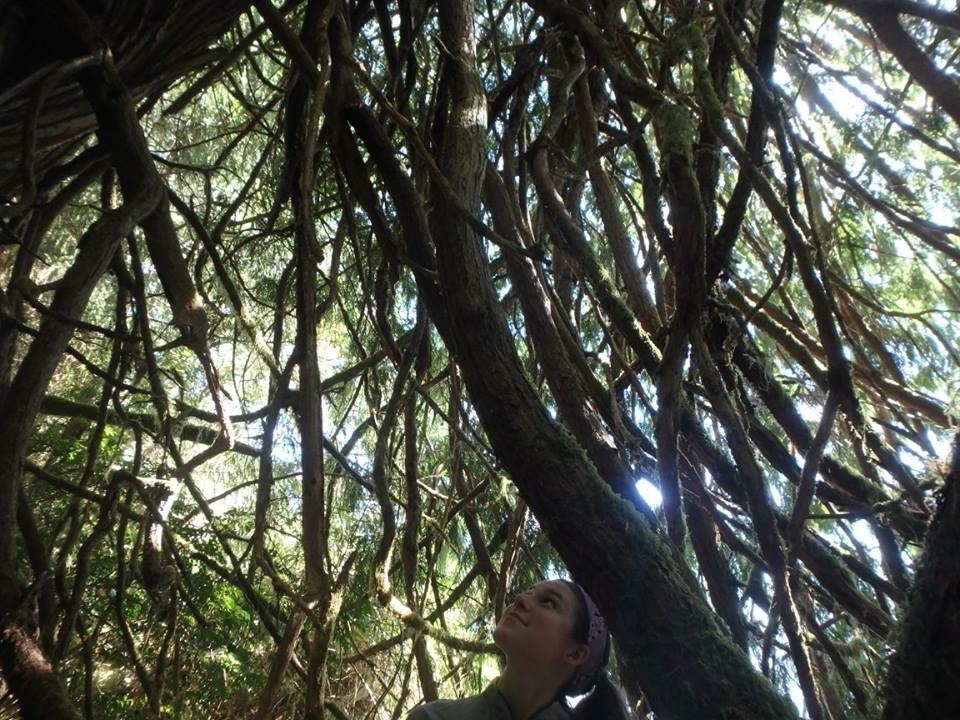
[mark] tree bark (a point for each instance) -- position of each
(924, 677)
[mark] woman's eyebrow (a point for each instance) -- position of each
(555, 594)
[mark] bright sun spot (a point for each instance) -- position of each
(649, 492)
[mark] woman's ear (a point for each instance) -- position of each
(578, 654)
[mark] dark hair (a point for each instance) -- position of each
(604, 702)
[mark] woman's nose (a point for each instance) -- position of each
(521, 601)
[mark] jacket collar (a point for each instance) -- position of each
(553, 711)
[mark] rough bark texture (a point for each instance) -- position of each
(30, 677)
(924, 677)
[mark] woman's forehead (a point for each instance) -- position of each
(555, 587)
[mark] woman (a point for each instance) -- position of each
(556, 644)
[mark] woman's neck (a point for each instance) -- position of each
(525, 693)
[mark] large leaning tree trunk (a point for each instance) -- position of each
(663, 627)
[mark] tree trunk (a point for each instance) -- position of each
(30, 676)
(663, 626)
(924, 677)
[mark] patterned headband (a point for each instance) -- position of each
(598, 641)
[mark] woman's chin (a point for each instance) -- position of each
(504, 633)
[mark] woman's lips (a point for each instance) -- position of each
(515, 614)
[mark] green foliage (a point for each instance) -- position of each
(861, 166)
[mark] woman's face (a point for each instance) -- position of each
(537, 627)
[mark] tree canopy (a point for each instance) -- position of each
(326, 326)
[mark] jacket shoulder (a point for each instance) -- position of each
(472, 708)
